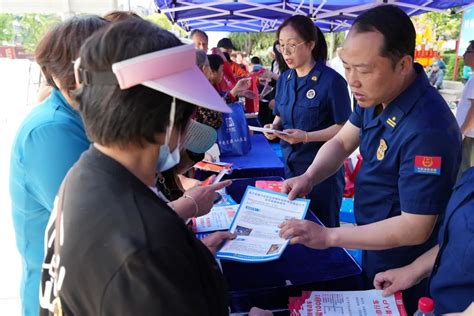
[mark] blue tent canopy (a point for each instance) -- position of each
(267, 15)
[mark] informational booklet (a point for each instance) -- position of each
(266, 130)
(219, 218)
(256, 226)
(357, 303)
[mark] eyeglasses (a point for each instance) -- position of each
(290, 49)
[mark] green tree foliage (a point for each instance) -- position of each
(252, 42)
(161, 20)
(445, 25)
(6, 28)
(34, 26)
(26, 29)
(334, 40)
(449, 59)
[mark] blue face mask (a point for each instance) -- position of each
(167, 160)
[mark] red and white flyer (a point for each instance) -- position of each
(274, 186)
(213, 166)
(360, 303)
(219, 218)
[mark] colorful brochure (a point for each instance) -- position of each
(349, 303)
(219, 218)
(256, 226)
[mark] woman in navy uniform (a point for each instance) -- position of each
(451, 263)
(311, 105)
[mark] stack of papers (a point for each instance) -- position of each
(346, 303)
(266, 130)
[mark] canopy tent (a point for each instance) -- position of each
(267, 15)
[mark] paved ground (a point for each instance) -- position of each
(15, 103)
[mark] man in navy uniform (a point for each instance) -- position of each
(411, 149)
(451, 263)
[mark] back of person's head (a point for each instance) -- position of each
(201, 59)
(441, 63)
(306, 29)
(198, 31)
(126, 117)
(226, 43)
(215, 61)
(60, 46)
(116, 16)
(396, 27)
(255, 60)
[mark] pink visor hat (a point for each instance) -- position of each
(172, 71)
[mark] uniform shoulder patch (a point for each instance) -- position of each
(428, 165)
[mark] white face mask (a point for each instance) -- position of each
(167, 160)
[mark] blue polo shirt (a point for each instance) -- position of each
(411, 155)
(452, 281)
(311, 103)
(48, 142)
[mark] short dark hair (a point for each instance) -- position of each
(215, 61)
(396, 27)
(305, 28)
(124, 117)
(255, 60)
(226, 43)
(198, 31)
(116, 16)
(60, 47)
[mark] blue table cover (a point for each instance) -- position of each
(260, 161)
(269, 284)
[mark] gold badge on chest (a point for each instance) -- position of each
(382, 149)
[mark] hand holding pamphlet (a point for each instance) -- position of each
(266, 130)
(256, 226)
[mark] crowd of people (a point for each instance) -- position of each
(100, 201)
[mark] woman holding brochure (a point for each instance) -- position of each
(311, 105)
(137, 255)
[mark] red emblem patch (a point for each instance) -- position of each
(428, 165)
